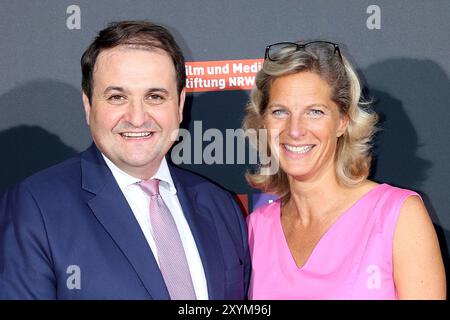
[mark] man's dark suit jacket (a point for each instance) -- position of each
(73, 220)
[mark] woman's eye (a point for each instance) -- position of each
(316, 113)
(279, 113)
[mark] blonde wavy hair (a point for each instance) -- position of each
(353, 158)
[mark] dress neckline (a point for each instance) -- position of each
(325, 234)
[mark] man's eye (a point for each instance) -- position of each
(117, 98)
(155, 98)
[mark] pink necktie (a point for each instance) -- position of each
(172, 258)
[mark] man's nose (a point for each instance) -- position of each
(136, 113)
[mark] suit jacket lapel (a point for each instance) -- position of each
(205, 236)
(113, 212)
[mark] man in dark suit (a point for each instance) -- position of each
(116, 221)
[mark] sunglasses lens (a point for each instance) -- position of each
(321, 49)
(277, 51)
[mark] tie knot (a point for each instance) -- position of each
(151, 187)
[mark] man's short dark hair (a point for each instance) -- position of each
(136, 34)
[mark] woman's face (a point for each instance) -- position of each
(304, 124)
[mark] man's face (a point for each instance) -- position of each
(135, 110)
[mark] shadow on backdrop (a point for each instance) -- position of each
(395, 147)
(42, 123)
(28, 149)
(422, 87)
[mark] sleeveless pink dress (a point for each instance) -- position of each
(352, 260)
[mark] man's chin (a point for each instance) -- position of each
(140, 168)
(143, 162)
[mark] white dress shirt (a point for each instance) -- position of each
(139, 203)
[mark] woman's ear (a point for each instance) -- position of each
(343, 124)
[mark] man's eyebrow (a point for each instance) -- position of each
(113, 88)
(121, 89)
(162, 90)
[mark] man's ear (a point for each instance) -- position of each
(181, 105)
(87, 107)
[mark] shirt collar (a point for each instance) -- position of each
(124, 179)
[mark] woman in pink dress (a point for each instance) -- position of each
(333, 234)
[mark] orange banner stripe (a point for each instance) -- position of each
(221, 75)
